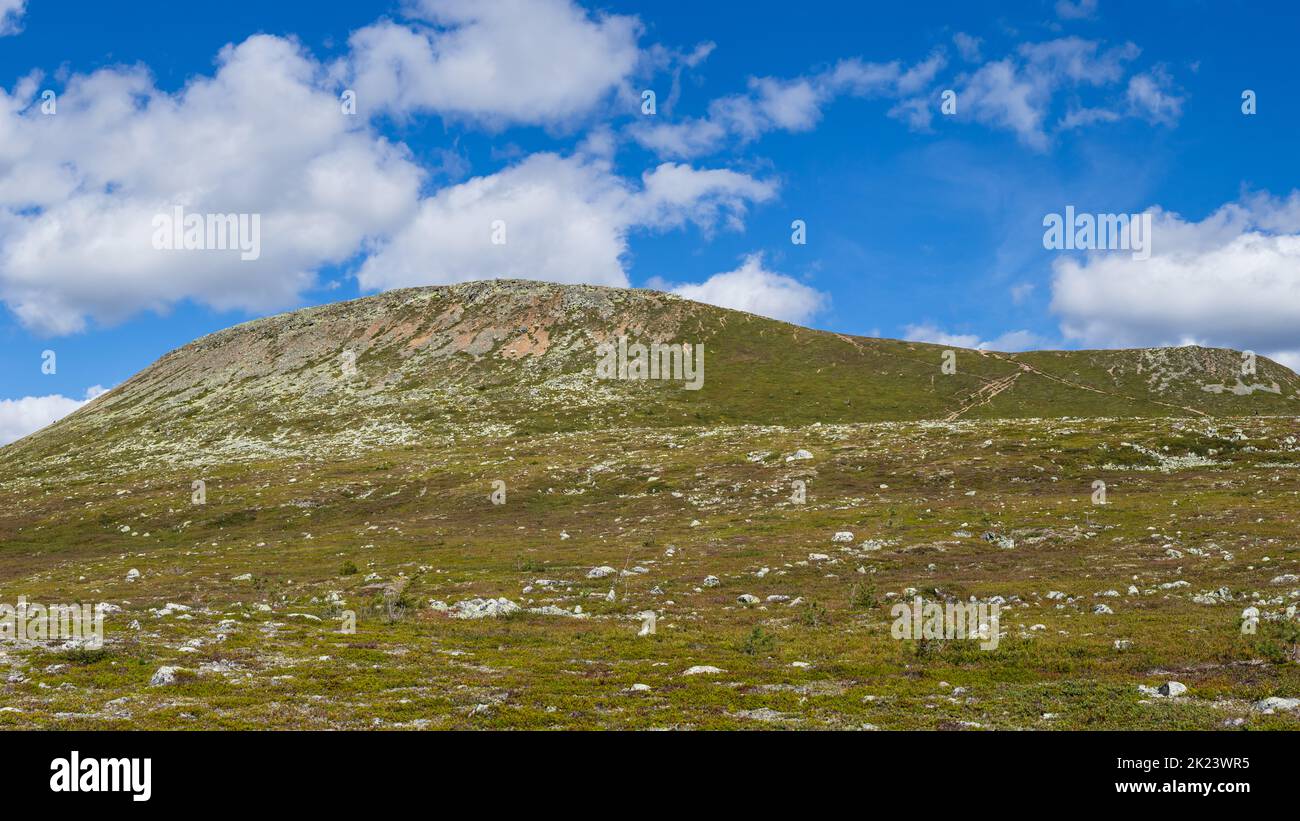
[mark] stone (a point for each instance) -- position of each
(164, 676)
(1272, 704)
(484, 608)
(1172, 689)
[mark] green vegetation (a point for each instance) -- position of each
(372, 499)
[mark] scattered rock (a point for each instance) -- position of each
(164, 676)
(552, 610)
(1272, 704)
(484, 608)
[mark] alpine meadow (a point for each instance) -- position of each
(604, 365)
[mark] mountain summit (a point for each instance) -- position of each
(524, 357)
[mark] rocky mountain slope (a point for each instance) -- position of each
(520, 358)
(423, 510)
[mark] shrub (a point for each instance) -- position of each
(758, 642)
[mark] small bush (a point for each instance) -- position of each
(529, 565)
(814, 615)
(1279, 642)
(863, 596)
(758, 642)
(84, 655)
(348, 569)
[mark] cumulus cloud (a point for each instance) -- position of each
(795, 105)
(1010, 341)
(11, 16)
(1231, 279)
(753, 288)
(503, 62)
(561, 219)
(266, 135)
(19, 417)
(79, 190)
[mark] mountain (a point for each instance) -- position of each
(521, 357)
(424, 510)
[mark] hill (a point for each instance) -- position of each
(423, 510)
(521, 357)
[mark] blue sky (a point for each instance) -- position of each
(920, 224)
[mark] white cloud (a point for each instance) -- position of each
(929, 333)
(1078, 60)
(997, 94)
(967, 46)
(1232, 279)
(566, 219)
(1148, 97)
(265, 135)
(1076, 10)
(11, 16)
(499, 62)
(19, 417)
(794, 105)
(1082, 117)
(1290, 359)
(1016, 93)
(79, 189)
(753, 288)
(1021, 340)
